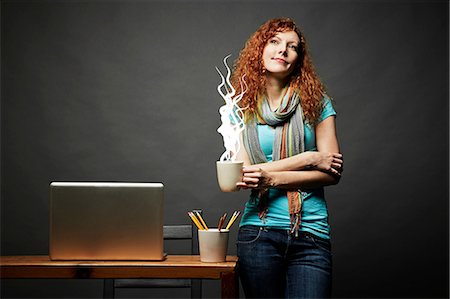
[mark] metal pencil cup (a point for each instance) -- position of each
(213, 245)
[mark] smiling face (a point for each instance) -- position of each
(280, 54)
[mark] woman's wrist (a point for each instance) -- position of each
(310, 161)
(276, 179)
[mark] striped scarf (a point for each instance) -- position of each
(289, 141)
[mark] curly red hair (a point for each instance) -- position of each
(303, 78)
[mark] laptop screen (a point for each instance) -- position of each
(106, 221)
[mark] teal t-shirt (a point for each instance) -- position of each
(314, 210)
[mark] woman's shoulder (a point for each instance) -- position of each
(327, 108)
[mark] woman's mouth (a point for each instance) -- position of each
(279, 60)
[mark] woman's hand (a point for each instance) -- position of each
(327, 162)
(255, 178)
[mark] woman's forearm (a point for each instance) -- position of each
(298, 162)
(257, 178)
(311, 160)
(309, 179)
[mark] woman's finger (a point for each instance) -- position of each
(337, 160)
(336, 172)
(246, 186)
(250, 180)
(253, 174)
(249, 167)
(336, 165)
(339, 157)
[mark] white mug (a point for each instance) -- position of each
(228, 174)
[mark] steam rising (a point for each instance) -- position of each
(231, 115)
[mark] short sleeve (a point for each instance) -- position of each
(328, 109)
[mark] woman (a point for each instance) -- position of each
(290, 152)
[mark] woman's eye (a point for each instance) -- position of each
(273, 41)
(293, 47)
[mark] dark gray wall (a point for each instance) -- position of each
(126, 91)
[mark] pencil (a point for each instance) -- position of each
(195, 220)
(198, 221)
(230, 222)
(201, 220)
(233, 218)
(222, 221)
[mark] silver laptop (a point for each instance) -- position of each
(106, 221)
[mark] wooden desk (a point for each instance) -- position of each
(175, 266)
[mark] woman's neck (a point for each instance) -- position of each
(275, 91)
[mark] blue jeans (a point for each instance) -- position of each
(276, 264)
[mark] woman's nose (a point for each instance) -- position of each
(282, 49)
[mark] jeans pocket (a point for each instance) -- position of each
(248, 234)
(321, 243)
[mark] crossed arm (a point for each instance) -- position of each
(303, 171)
